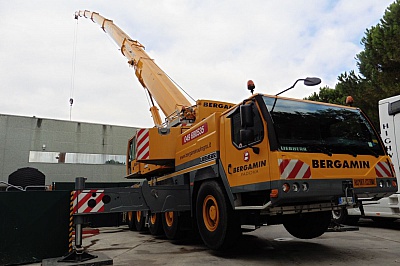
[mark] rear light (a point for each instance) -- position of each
(388, 183)
(381, 184)
(394, 183)
(304, 186)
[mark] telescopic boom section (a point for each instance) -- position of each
(167, 95)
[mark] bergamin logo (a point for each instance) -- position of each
(250, 166)
(217, 105)
(246, 156)
(339, 164)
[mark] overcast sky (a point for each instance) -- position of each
(210, 48)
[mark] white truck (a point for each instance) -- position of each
(388, 208)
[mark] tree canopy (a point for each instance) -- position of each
(378, 65)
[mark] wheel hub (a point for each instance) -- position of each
(169, 218)
(210, 213)
(138, 216)
(153, 218)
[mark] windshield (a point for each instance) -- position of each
(313, 127)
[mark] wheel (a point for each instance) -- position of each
(216, 221)
(171, 225)
(136, 221)
(307, 225)
(342, 217)
(155, 226)
(339, 216)
(131, 221)
(139, 220)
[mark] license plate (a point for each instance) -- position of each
(345, 200)
(364, 182)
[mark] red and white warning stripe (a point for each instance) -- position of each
(142, 144)
(88, 201)
(382, 169)
(294, 169)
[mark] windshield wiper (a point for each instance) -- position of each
(370, 151)
(322, 149)
(351, 152)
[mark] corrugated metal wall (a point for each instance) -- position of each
(20, 136)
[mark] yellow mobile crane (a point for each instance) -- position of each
(222, 168)
(175, 106)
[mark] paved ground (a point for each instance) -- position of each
(373, 244)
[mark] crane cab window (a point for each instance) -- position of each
(316, 127)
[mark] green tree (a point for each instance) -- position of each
(327, 95)
(365, 96)
(380, 60)
(378, 65)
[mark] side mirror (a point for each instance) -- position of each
(307, 81)
(246, 116)
(312, 81)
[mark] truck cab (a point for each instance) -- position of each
(293, 151)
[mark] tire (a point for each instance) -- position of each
(216, 221)
(155, 226)
(342, 217)
(131, 221)
(308, 225)
(139, 221)
(171, 224)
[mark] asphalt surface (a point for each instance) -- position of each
(373, 244)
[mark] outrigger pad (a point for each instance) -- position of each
(83, 259)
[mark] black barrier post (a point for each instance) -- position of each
(78, 254)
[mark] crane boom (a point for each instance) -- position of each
(159, 86)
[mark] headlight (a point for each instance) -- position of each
(296, 187)
(285, 187)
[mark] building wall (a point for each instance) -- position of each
(22, 137)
